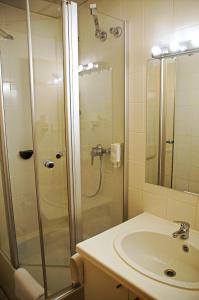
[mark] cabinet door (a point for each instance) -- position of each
(99, 286)
(132, 296)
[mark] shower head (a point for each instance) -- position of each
(5, 35)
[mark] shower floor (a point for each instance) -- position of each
(57, 256)
(58, 277)
(57, 245)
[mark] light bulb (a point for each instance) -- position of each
(89, 66)
(6, 87)
(80, 68)
(182, 47)
(156, 50)
(195, 41)
(174, 46)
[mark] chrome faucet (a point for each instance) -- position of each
(98, 151)
(183, 232)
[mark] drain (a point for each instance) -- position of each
(170, 273)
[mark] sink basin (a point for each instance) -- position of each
(161, 257)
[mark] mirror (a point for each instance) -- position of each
(172, 146)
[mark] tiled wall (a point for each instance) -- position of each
(151, 22)
(155, 22)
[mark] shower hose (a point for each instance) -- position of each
(100, 181)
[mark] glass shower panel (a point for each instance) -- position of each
(4, 242)
(17, 109)
(46, 26)
(102, 104)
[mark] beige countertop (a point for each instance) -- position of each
(100, 251)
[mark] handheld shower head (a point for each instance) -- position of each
(5, 35)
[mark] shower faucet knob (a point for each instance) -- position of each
(49, 164)
(99, 151)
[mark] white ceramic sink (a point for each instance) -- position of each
(153, 253)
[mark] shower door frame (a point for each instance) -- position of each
(72, 139)
(71, 95)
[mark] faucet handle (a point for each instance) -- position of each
(183, 223)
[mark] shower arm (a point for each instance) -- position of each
(97, 27)
(102, 35)
(93, 10)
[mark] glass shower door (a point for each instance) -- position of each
(35, 124)
(18, 130)
(102, 105)
(50, 136)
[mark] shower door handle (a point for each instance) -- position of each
(170, 141)
(49, 164)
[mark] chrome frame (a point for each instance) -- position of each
(162, 128)
(66, 293)
(126, 121)
(177, 53)
(6, 183)
(33, 121)
(71, 95)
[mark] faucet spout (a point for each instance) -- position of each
(183, 232)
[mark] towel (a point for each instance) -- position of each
(76, 268)
(26, 287)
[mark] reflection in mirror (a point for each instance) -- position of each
(152, 138)
(172, 149)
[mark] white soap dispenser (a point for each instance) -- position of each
(116, 155)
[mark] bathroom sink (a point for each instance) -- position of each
(161, 257)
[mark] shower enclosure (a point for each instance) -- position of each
(52, 118)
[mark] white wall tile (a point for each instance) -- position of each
(155, 204)
(179, 210)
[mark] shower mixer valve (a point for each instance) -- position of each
(99, 151)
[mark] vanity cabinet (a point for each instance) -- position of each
(99, 286)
